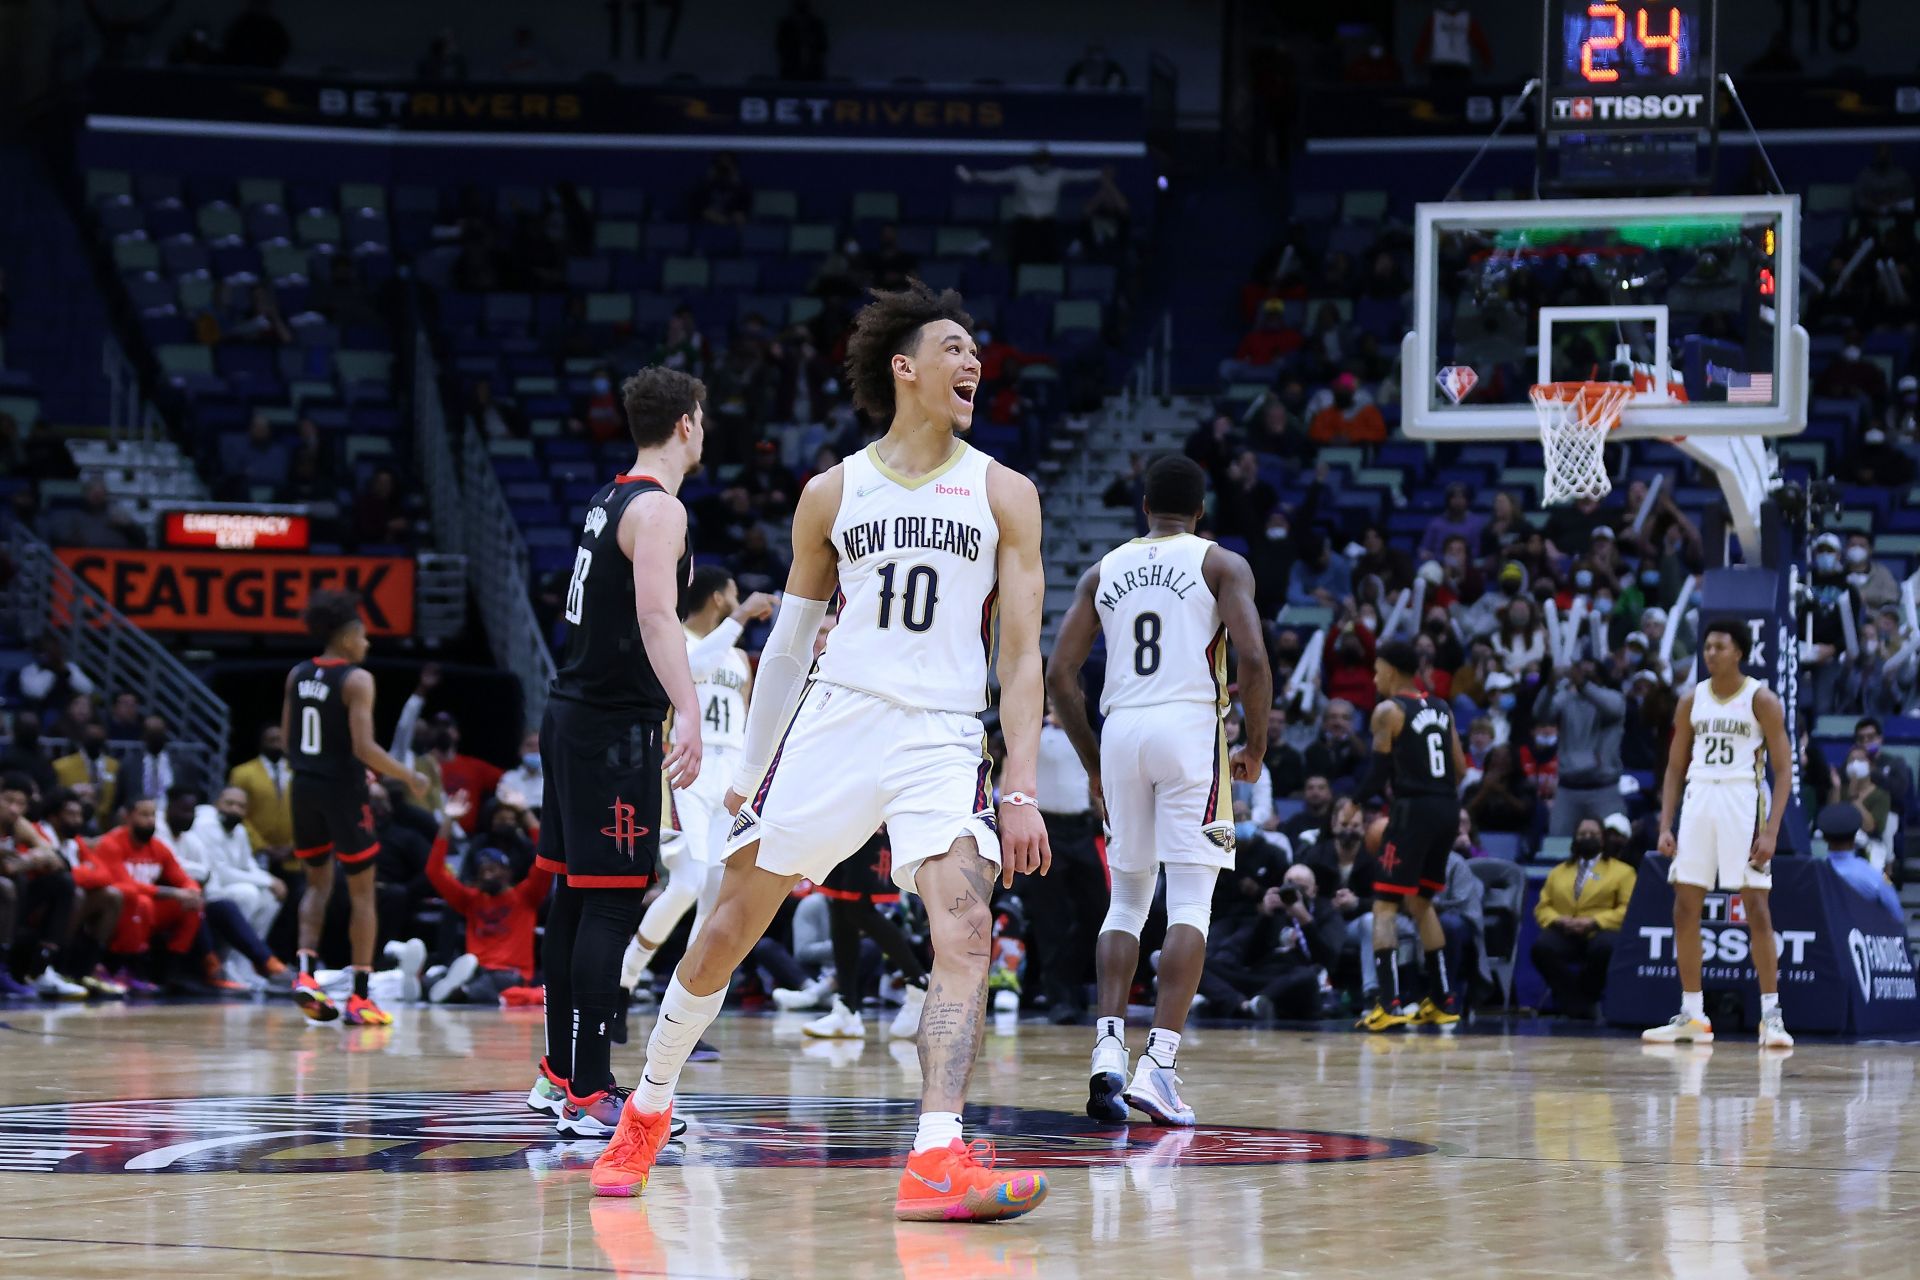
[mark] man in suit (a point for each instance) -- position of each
(155, 769)
(1582, 906)
(266, 779)
(92, 771)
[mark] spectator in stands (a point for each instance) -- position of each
(159, 900)
(1270, 341)
(91, 771)
(1883, 187)
(460, 773)
(255, 459)
(1590, 717)
(1383, 561)
(1271, 966)
(1831, 599)
(1852, 376)
(256, 38)
(1107, 217)
(379, 513)
(493, 419)
(721, 197)
(1860, 790)
(242, 897)
(97, 522)
(1316, 812)
(1245, 502)
(1033, 235)
(886, 263)
(157, 767)
(1503, 799)
(603, 420)
(51, 679)
(72, 721)
(1478, 742)
(1213, 446)
(266, 781)
(1342, 866)
(1284, 763)
(1839, 827)
(1521, 640)
(1581, 908)
(443, 63)
(24, 754)
(258, 320)
(1876, 460)
(1890, 772)
(1319, 577)
(500, 917)
(1260, 859)
(1339, 754)
(1872, 581)
(1451, 42)
(1455, 521)
(524, 785)
(800, 43)
(1350, 419)
(1483, 618)
(1096, 70)
(125, 720)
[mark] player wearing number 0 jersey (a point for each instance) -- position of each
(1727, 828)
(928, 541)
(1416, 747)
(1168, 603)
(327, 718)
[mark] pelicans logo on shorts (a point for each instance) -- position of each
(988, 819)
(1221, 833)
(741, 821)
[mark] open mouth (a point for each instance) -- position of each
(965, 391)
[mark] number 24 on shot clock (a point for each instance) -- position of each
(1619, 44)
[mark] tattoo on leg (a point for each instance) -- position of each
(961, 904)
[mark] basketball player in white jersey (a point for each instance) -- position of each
(692, 846)
(1168, 603)
(925, 538)
(1727, 828)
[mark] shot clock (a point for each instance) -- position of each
(1621, 65)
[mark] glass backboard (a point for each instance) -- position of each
(1692, 300)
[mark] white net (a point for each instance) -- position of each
(1575, 418)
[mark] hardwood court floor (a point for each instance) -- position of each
(231, 1140)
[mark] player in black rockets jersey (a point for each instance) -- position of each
(326, 720)
(603, 745)
(1416, 746)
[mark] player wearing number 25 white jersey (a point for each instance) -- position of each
(1167, 604)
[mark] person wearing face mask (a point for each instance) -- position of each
(524, 782)
(1352, 417)
(1830, 598)
(1581, 908)
(500, 916)
(1540, 757)
(265, 781)
(1345, 873)
(1270, 967)
(1503, 705)
(1591, 718)
(91, 767)
(1873, 582)
(24, 754)
(242, 897)
(157, 767)
(1858, 789)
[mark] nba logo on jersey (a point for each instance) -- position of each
(1456, 380)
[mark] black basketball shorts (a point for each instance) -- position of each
(865, 873)
(1420, 834)
(601, 808)
(331, 818)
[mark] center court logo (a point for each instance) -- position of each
(434, 1132)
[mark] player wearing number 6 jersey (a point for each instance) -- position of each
(1727, 828)
(926, 539)
(1168, 604)
(1417, 748)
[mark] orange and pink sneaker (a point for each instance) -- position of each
(956, 1183)
(624, 1167)
(362, 1012)
(313, 999)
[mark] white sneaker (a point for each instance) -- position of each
(1006, 1001)
(458, 975)
(790, 999)
(409, 960)
(906, 1023)
(633, 964)
(1773, 1032)
(52, 986)
(837, 1023)
(1156, 1091)
(1107, 1081)
(1682, 1029)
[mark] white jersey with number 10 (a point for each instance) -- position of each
(1165, 642)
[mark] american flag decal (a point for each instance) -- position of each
(1742, 388)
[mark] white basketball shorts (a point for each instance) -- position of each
(1169, 793)
(1717, 825)
(850, 762)
(698, 829)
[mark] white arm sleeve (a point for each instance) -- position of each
(707, 653)
(783, 668)
(403, 729)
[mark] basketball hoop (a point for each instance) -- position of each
(1575, 419)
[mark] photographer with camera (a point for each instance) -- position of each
(1271, 966)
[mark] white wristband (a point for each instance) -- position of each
(1018, 798)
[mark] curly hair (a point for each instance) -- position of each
(657, 397)
(889, 326)
(330, 612)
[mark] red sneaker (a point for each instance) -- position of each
(362, 1012)
(623, 1169)
(313, 999)
(956, 1183)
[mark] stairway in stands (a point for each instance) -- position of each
(59, 319)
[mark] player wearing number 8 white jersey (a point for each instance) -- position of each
(928, 542)
(1727, 828)
(1167, 603)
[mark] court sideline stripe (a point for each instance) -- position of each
(371, 1257)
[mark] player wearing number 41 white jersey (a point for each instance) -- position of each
(1727, 829)
(927, 540)
(1168, 603)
